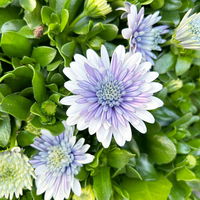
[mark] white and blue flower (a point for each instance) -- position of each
(142, 35)
(187, 34)
(58, 161)
(109, 95)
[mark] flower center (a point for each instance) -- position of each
(109, 92)
(59, 158)
(6, 173)
(195, 28)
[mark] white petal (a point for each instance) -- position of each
(155, 87)
(88, 159)
(71, 85)
(145, 116)
(139, 125)
(133, 61)
(105, 57)
(153, 104)
(81, 124)
(80, 59)
(150, 76)
(102, 134)
(72, 120)
(78, 70)
(120, 51)
(69, 100)
(76, 188)
(93, 58)
(126, 132)
(106, 142)
(144, 67)
(118, 137)
(79, 144)
(68, 72)
(75, 109)
(94, 126)
(126, 33)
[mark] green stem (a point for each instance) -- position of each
(13, 139)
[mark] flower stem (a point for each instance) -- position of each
(77, 19)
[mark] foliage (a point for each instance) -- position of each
(40, 37)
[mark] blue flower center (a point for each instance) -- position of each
(109, 92)
(59, 157)
(195, 28)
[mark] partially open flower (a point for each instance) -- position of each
(15, 173)
(143, 36)
(97, 8)
(187, 34)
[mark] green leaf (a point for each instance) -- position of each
(170, 17)
(4, 3)
(25, 138)
(57, 5)
(157, 4)
(8, 14)
(165, 63)
(12, 25)
(161, 148)
(183, 65)
(147, 190)
(53, 66)
(145, 168)
(185, 174)
(102, 184)
(5, 129)
(29, 5)
(109, 33)
(46, 14)
(68, 49)
(55, 129)
(13, 44)
(33, 19)
(44, 55)
(17, 106)
(118, 158)
(64, 19)
(38, 83)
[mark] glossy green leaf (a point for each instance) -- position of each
(161, 148)
(147, 190)
(38, 83)
(29, 5)
(12, 25)
(44, 55)
(183, 65)
(165, 63)
(102, 184)
(185, 174)
(46, 14)
(64, 19)
(13, 44)
(17, 106)
(5, 129)
(118, 158)
(109, 33)
(68, 49)
(25, 138)
(145, 168)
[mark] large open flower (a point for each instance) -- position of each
(58, 161)
(107, 96)
(187, 34)
(15, 173)
(142, 36)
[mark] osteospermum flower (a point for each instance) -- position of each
(142, 36)
(187, 34)
(97, 8)
(15, 173)
(109, 95)
(58, 161)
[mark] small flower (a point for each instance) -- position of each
(109, 95)
(58, 161)
(15, 173)
(143, 37)
(187, 34)
(97, 8)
